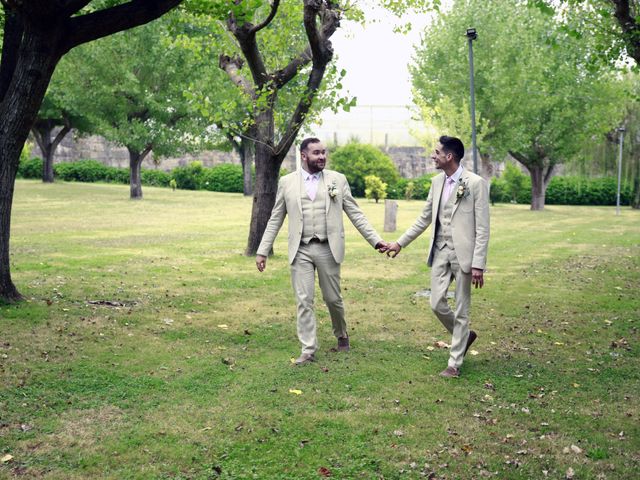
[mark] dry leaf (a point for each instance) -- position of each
(398, 433)
(570, 473)
(441, 344)
(296, 392)
(6, 459)
(473, 352)
(558, 343)
(167, 321)
(223, 326)
(324, 472)
(576, 449)
(430, 348)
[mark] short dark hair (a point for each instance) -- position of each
(452, 145)
(307, 141)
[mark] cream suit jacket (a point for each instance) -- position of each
(288, 202)
(469, 220)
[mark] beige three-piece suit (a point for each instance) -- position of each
(316, 242)
(459, 242)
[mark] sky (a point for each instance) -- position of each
(376, 60)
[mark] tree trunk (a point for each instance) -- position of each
(247, 152)
(43, 132)
(264, 195)
(538, 188)
(135, 179)
(18, 110)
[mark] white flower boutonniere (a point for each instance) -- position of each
(333, 190)
(462, 191)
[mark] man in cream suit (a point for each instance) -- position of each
(458, 206)
(314, 199)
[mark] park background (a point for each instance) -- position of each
(146, 345)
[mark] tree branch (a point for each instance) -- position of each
(12, 38)
(232, 66)
(284, 75)
(630, 27)
(269, 19)
(102, 23)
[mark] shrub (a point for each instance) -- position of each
(30, 167)
(375, 188)
(82, 171)
(498, 192)
(155, 178)
(356, 161)
(422, 185)
(514, 180)
(188, 177)
(223, 178)
(117, 175)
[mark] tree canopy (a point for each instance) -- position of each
(538, 96)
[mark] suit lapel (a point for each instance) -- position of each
(437, 187)
(299, 190)
(326, 179)
(463, 179)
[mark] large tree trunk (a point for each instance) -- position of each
(247, 152)
(135, 166)
(43, 133)
(18, 109)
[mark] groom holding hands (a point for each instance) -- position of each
(458, 207)
(314, 199)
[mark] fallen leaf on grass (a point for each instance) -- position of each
(294, 391)
(576, 385)
(324, 472)
(6, 459)
(441, 344)
(223, 326)
(430, 348)
(558, 343)
(473, 352)
(570, 474)
(167, 321)
(576, 449)
(398, 433)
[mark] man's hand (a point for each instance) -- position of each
(261, 262)
(382, 246)
(393, 249)
(477, 278)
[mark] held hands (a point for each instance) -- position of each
(261, 262)
(390, 248)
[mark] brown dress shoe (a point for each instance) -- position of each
(343, 344)
(305, 358)
(450, 372)
(472, 338)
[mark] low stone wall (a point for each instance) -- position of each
(411, 162)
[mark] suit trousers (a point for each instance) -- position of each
(444, 269)
(311, 257)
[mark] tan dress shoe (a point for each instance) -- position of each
(450, 372)
(305, 358)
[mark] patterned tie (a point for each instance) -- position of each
(448, 188)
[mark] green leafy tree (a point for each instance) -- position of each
(540, 97)
(515, 181)
(374, 188)
(130, 88)
(36, 35)
(356, 161)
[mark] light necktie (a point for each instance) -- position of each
(311, 185)
(448, 188)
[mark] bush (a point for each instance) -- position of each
(117, 175)
(82, 171)
(421, 186)
(155, 178)
(188, 177)
(356, 161)
(30, 167)
(375, 188)
(223, 178)
(498, 192)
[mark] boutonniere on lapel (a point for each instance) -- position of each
(462, 191)
(333, 190)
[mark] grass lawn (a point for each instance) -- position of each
(149, 347)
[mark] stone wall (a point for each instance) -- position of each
(411, 162)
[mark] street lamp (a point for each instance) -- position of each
(621, 131)
(471, 36)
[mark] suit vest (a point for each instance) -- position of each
(314, 217)
(443, 223)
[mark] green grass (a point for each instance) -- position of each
(157, 387)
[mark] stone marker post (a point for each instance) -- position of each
(390, 213)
